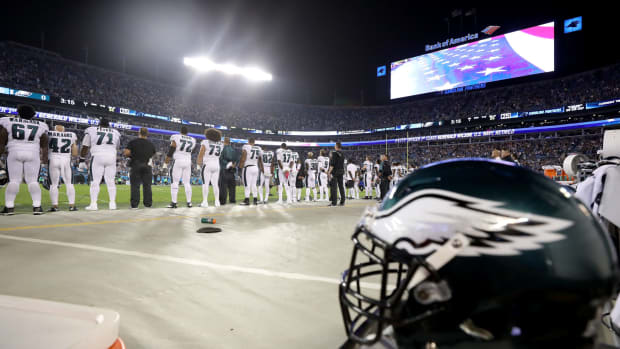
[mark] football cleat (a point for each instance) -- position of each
(189, 204)
(217, 203)
(73, 208)
(8, 211)
(204, 204)
(245, 202)
(112, 206)
(91, 208)
(255, 201)
(172, 205)
(53, 209)
(37, 211)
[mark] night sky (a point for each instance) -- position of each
(314, 49)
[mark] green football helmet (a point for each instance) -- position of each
(477, 252)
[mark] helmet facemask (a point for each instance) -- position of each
(380, 279)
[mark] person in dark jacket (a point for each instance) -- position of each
(336, 175)
(228, 166)
(140, 150)
(385, 172)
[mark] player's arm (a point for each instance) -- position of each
(201, 155)
(4, 139)
(244, 154)
(44, 144)
(260, 164)
(173, 147)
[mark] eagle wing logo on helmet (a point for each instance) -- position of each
(428, 218)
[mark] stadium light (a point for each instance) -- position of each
(203, 64)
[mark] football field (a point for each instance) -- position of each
(269, 279)
(161, 197)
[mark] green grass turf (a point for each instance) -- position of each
(161, 197)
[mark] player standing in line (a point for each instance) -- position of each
(62, 146)
(350, 178)
(293, 176)
(312, 166)
(368, 178)
(323, 165)
(395, 173)
(283, 158)
(252, 165)
(265, 177)
(181, 147)
(26, 141)
(103, 143)
(209, 165)
(356, 182)
(377, 179)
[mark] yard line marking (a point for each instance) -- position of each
(186, 261)
(137, 220)
(78, 224)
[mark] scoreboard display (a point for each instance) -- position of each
(516, 54)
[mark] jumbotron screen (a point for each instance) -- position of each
(520, 53)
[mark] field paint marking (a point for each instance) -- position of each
(136, 220)
(26, 227)
(186, 261)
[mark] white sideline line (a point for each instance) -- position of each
(186, 261)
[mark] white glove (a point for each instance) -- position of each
(229, 165)
(198, 167)
(165, 166)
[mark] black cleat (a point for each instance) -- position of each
(53, 209)
(342, 204)
(245, 202)
(8, 211)
(172, 205)
(37, 211)
(189, 204)
(255, 201)
(332, 205)
(73, 208)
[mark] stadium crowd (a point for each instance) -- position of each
(40, 71)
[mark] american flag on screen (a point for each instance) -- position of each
(521, 53)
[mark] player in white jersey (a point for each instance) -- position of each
(312, 167)
(102, 142)
(26, 141)
(181, 147)
(285, 162)
(397, 172)
(62, 146)
(368, 177)
(323, 165)
(251, 164)
(293, 177)
(351, 176)
(265, 176)
(377, 179)
(209, 165)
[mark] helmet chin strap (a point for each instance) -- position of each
(439, 258)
